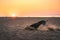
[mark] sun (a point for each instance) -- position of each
(13, 15)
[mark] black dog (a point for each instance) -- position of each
(36, 25)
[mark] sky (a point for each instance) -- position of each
(29, 8)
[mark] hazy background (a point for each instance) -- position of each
(30, 8)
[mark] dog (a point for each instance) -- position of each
(35, 26)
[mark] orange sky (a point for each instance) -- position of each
(29, 8)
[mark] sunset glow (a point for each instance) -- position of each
(13, 15)
(30, 8)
